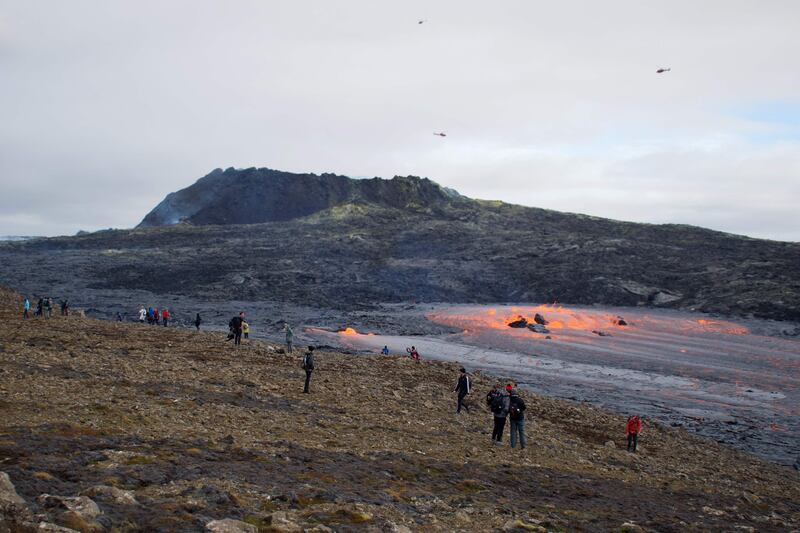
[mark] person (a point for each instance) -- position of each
(308, 366)
(632, 429)
(150, 315)
(289, 337)
(197, 321)
(142, 314)
(413, 353)
(48, 307)
(63, 308)
(246, 329)
(385, 350)
(516, 414)
(39, 307)
(118, 318)
(156, 316)
(500, 406)
(235, 326)
(66, 307)
(165, 316)
(462, 388)
(26, 308)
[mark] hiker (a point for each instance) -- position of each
(385, 350)
(142, 314)
(235, 326)
(632, 429)
(39, 307)
(289, 337)
(63, 308)
(197, 321)
(246, 329)
(516, 413)
(150, 315)
(413, 353)
(165, 316)
(26, 307)
(308, 366)
(66, 307)
(118, 318)
(462, 388)
(156, 317)
(48, 307)
(500, 406)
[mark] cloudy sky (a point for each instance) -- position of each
(105, 107)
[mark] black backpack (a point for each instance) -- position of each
(498, 404)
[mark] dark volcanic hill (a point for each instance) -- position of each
(258, 195)
(330, 241)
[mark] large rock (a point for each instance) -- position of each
(13, 508)
(119, 496)
(229, 525)
(82, 506)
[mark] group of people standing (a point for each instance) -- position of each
(154, 316)
(44, 307)
(506, 404)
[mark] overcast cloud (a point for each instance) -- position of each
(105, 107)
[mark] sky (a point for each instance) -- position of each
(106, 107)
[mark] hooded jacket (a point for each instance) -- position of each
(634, 426)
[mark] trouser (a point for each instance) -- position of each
(499, 425)
(308, 380)
(289, 345)
(237, 337)
(197, 326)
(632, 438)
(518, 427)
(165, 322)
(24, 313)
(247, 335)
(461, 396)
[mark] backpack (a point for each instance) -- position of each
(497, 404)
(515, 412)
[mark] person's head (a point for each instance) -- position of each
(413, 347)
(310, 348)
(509, 387)
(241, 314)
(462, 370)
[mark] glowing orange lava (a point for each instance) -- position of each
(347, 331)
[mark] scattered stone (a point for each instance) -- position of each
(538, 328)
(601, 333)
(229, 525)
(610, 444)
(82, 506)
(47, 527)
(520, 525)
(712, 511)
(620, 321)
(630, 527)
(13, 509)
(539, 319)
(520, 322)
(119, 496)
(280, 523)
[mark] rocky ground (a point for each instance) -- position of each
(121, 427)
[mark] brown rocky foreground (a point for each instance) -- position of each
(114, 427)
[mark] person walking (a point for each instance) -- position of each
(235, 326)
(246, 329)
(118, 317)
(39, 307)
(308, 366)
(156, 316)
(632, 429)
(198, 321)
(413, 353)
(500, 405)
(165, 316)
(48, 307)
(463, 388)
(26, 308)
(516, 413)
(142, 314)
(289, 337)
(385, 350)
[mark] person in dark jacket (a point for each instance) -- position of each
(501, 403)
(235, 326)
(516, 414)
(198, 321)
(632, 429)
(463, 388)
(308, 366)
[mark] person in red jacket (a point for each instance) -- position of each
(632, 429)
(165, 316)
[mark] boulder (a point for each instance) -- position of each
(82, 506)
(539, 319)
(229, 525)
(630, 527)
(13, 509)
(279, 522)
(538, 328)
(520, 322)
(610, 444)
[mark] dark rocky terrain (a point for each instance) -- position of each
(125, 427)
(331, 242)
